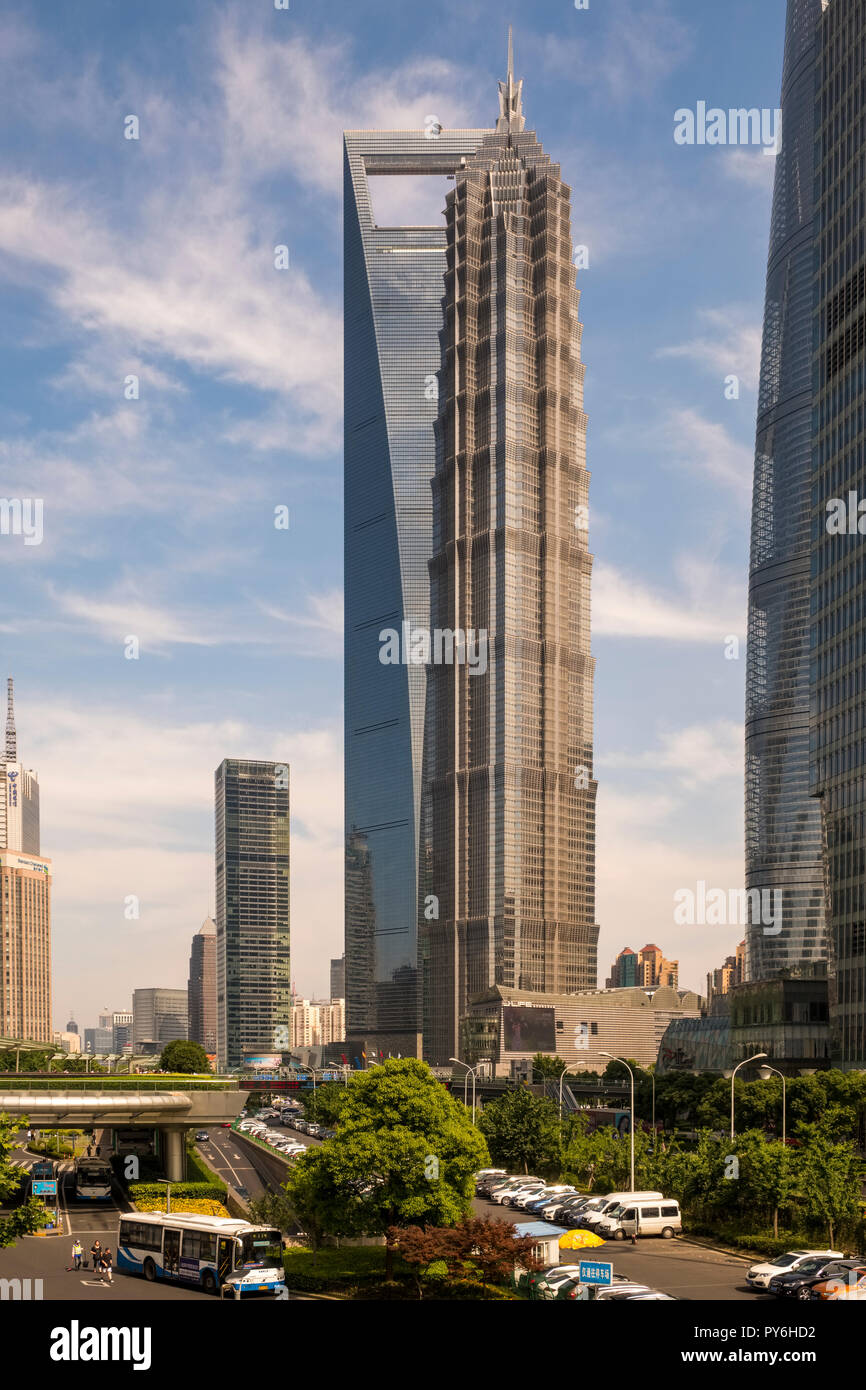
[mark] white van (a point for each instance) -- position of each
(614, 1200)
(642, 1217)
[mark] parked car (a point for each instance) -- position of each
(635, 1218)
(759, 1276)
(624, 1293)
(566, 1213)
(850, 1285)
(613, 1200)
(799, 1282)
(555, 1280)
(512, 1199)
(546, 1196)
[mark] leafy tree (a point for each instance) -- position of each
(473, 1247)
(405, 1153)
(325, 1104)
(831, 1176)
(30, 1215)
(544, 1067)
(184, 1056)
(522, 1130)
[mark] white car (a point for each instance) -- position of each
(511, 1199)
(759, 1276)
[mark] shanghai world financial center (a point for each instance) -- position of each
(470, 791)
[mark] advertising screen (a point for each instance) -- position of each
(529, 1030)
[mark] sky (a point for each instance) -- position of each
(153, 258)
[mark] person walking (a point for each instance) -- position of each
(96, 1252)
(77, 1254)
(106, 1264)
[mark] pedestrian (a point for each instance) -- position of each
(29, 1136)
(98, 1150)
(96, 1252)
(77, 1253)
(88, 1150)
(106, 1264)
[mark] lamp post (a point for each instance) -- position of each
(631, 1120)
(745, 1062)
(562, 1076)
(767, 1069)
(167, 1183)
(469, 1072)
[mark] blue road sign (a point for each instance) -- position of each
(596, 1272)
(45, 1187)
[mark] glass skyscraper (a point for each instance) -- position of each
(783, 824)
(252, 909)
(392, 317)
(509, 870)
(838, 524)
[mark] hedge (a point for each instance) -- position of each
(153, 1191)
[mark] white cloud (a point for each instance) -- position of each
(704, 611)
(707, 449)
(731, 344)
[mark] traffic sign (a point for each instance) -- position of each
(45, 1187)
(596, 1272)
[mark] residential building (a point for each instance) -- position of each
(67, 1042)
(252, 908)
(318, 1023)
(838, 591)
(201, 987)
(724, 977)
(783, 824)
(624, 971)
(507, 890)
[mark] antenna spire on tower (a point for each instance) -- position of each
(11, 738)
(510, 96)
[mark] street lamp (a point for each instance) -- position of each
(744, 1063)
(562, 1076)
(765, 1070)
(167, 1183)
(631, 1121)
(469, 1072)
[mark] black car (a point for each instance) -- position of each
(797, 1283)
(569, 1210)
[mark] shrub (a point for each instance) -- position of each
(155, 1192)
(199, 1205)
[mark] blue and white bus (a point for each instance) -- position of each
(92, 1180)
(216, 1253)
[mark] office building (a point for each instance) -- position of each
(503, 1027)
(121, 1030)
(838, 669)
(508, 854)
(392, 319)
(252, 908)
(159, 1016)
(783, 825)
(201, 987)
(25, 899)
(785, 1017)
(98, 1041)
(338, 978)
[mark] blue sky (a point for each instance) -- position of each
(154, 257)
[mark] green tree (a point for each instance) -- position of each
(29, 1216)
(544, 1067)
(830, 1176)
(325, 1104)
(183, 1056)
(405, 1153)
(522, 1130)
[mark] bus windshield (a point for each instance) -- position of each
(261, 1247)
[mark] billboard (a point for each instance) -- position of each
(527, 1029)
(271, 1061)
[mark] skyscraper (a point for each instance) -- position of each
(838, 672)
(783, 826)
(25, 899)
(252, 908)
(392, 317)
(508, 893)
(201, 987)
(159, 1016)
(338, 978)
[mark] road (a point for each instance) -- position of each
(674, 1266)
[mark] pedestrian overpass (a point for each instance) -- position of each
(168, 1103)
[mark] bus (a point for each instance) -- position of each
(92, 1180)
(216, 1253)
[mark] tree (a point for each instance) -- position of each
(473, 1247)
(325, 1103)
(830, 1176)
(184, 1056)
(521, 1130)
(544, 1067)
(30, 1215)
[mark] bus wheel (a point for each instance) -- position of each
(149, 1271)
(208, 1282)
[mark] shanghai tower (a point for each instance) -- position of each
(783, 825)
(509, 810)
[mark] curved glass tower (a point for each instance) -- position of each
(783, 824)
(392, 318)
